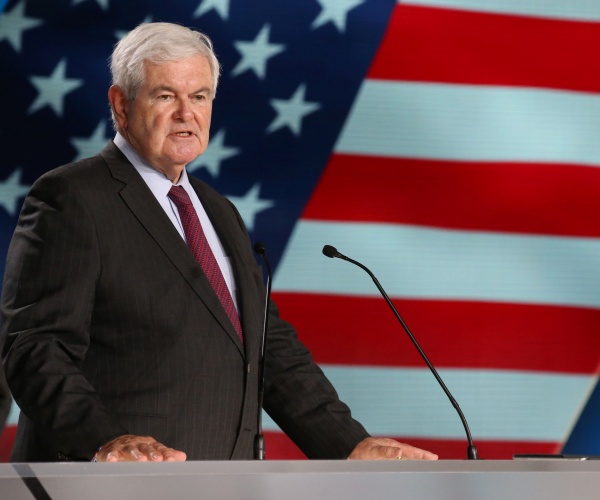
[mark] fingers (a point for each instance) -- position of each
(163, 453)
(130, 448)
(412, 453)
(388, 449)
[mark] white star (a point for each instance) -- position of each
(90, 146)
(121, 33)
(291, 112)
(13, 23)
(11, 190)
(215, 153)
(53, 89)
(102, 3)
(221, 6)
(256, 53)
(335, 11)
(250, 205)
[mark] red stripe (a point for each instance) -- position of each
(452, 46)
(279, 447)
(512, 197)
(7, 438)
(363, 331)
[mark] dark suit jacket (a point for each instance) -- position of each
(110, 327)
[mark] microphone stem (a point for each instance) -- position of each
(259, 440)
(471, 449)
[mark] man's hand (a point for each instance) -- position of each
(130, 448)
(388, 449)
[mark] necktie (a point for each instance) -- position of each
(199, 246)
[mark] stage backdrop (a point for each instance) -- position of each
(452, 146)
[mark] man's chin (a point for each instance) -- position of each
(184, 158)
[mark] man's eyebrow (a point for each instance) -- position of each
(162, 88)
(203, 89)
(167, 88)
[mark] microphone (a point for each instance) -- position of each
(332, 253)
(259, 439)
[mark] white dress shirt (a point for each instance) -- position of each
(160, 187)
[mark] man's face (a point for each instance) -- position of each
(168, 121)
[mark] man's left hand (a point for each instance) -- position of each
(388, 449)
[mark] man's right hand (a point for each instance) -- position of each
(131, 448)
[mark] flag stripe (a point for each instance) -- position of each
(498, 404)
(452, 334)
(481, 48)
(426, 263)
(280, 447)
(473, 123)
(512, 197)
(573, 9)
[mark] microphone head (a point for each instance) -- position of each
(330, 251)
(260, 248)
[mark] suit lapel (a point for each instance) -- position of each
(147, 210)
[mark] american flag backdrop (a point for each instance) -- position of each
(452, 146)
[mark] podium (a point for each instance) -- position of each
(304, 480)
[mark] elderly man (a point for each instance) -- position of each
(132, 306)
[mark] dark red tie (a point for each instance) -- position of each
(199, 246)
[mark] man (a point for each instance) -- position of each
(122, 344)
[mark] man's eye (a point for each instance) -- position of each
(164, 97)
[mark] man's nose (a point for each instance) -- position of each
(183, 110)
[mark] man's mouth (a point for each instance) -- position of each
(183, 134)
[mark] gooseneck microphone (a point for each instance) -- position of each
(259, 439)
(332, 253)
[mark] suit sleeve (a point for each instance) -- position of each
(300, 398)
(302, 401)
(47, 301)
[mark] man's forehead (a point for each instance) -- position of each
(164, 74)
(198, 60)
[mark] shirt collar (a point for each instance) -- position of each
(157, 181)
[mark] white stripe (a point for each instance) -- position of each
(497, 404)
(466, 122)
(413, 261)
(13, 416)
(579, 10)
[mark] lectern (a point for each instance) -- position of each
(305, 480)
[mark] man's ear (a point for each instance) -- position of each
(118, 102)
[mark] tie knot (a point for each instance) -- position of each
(179, 196)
